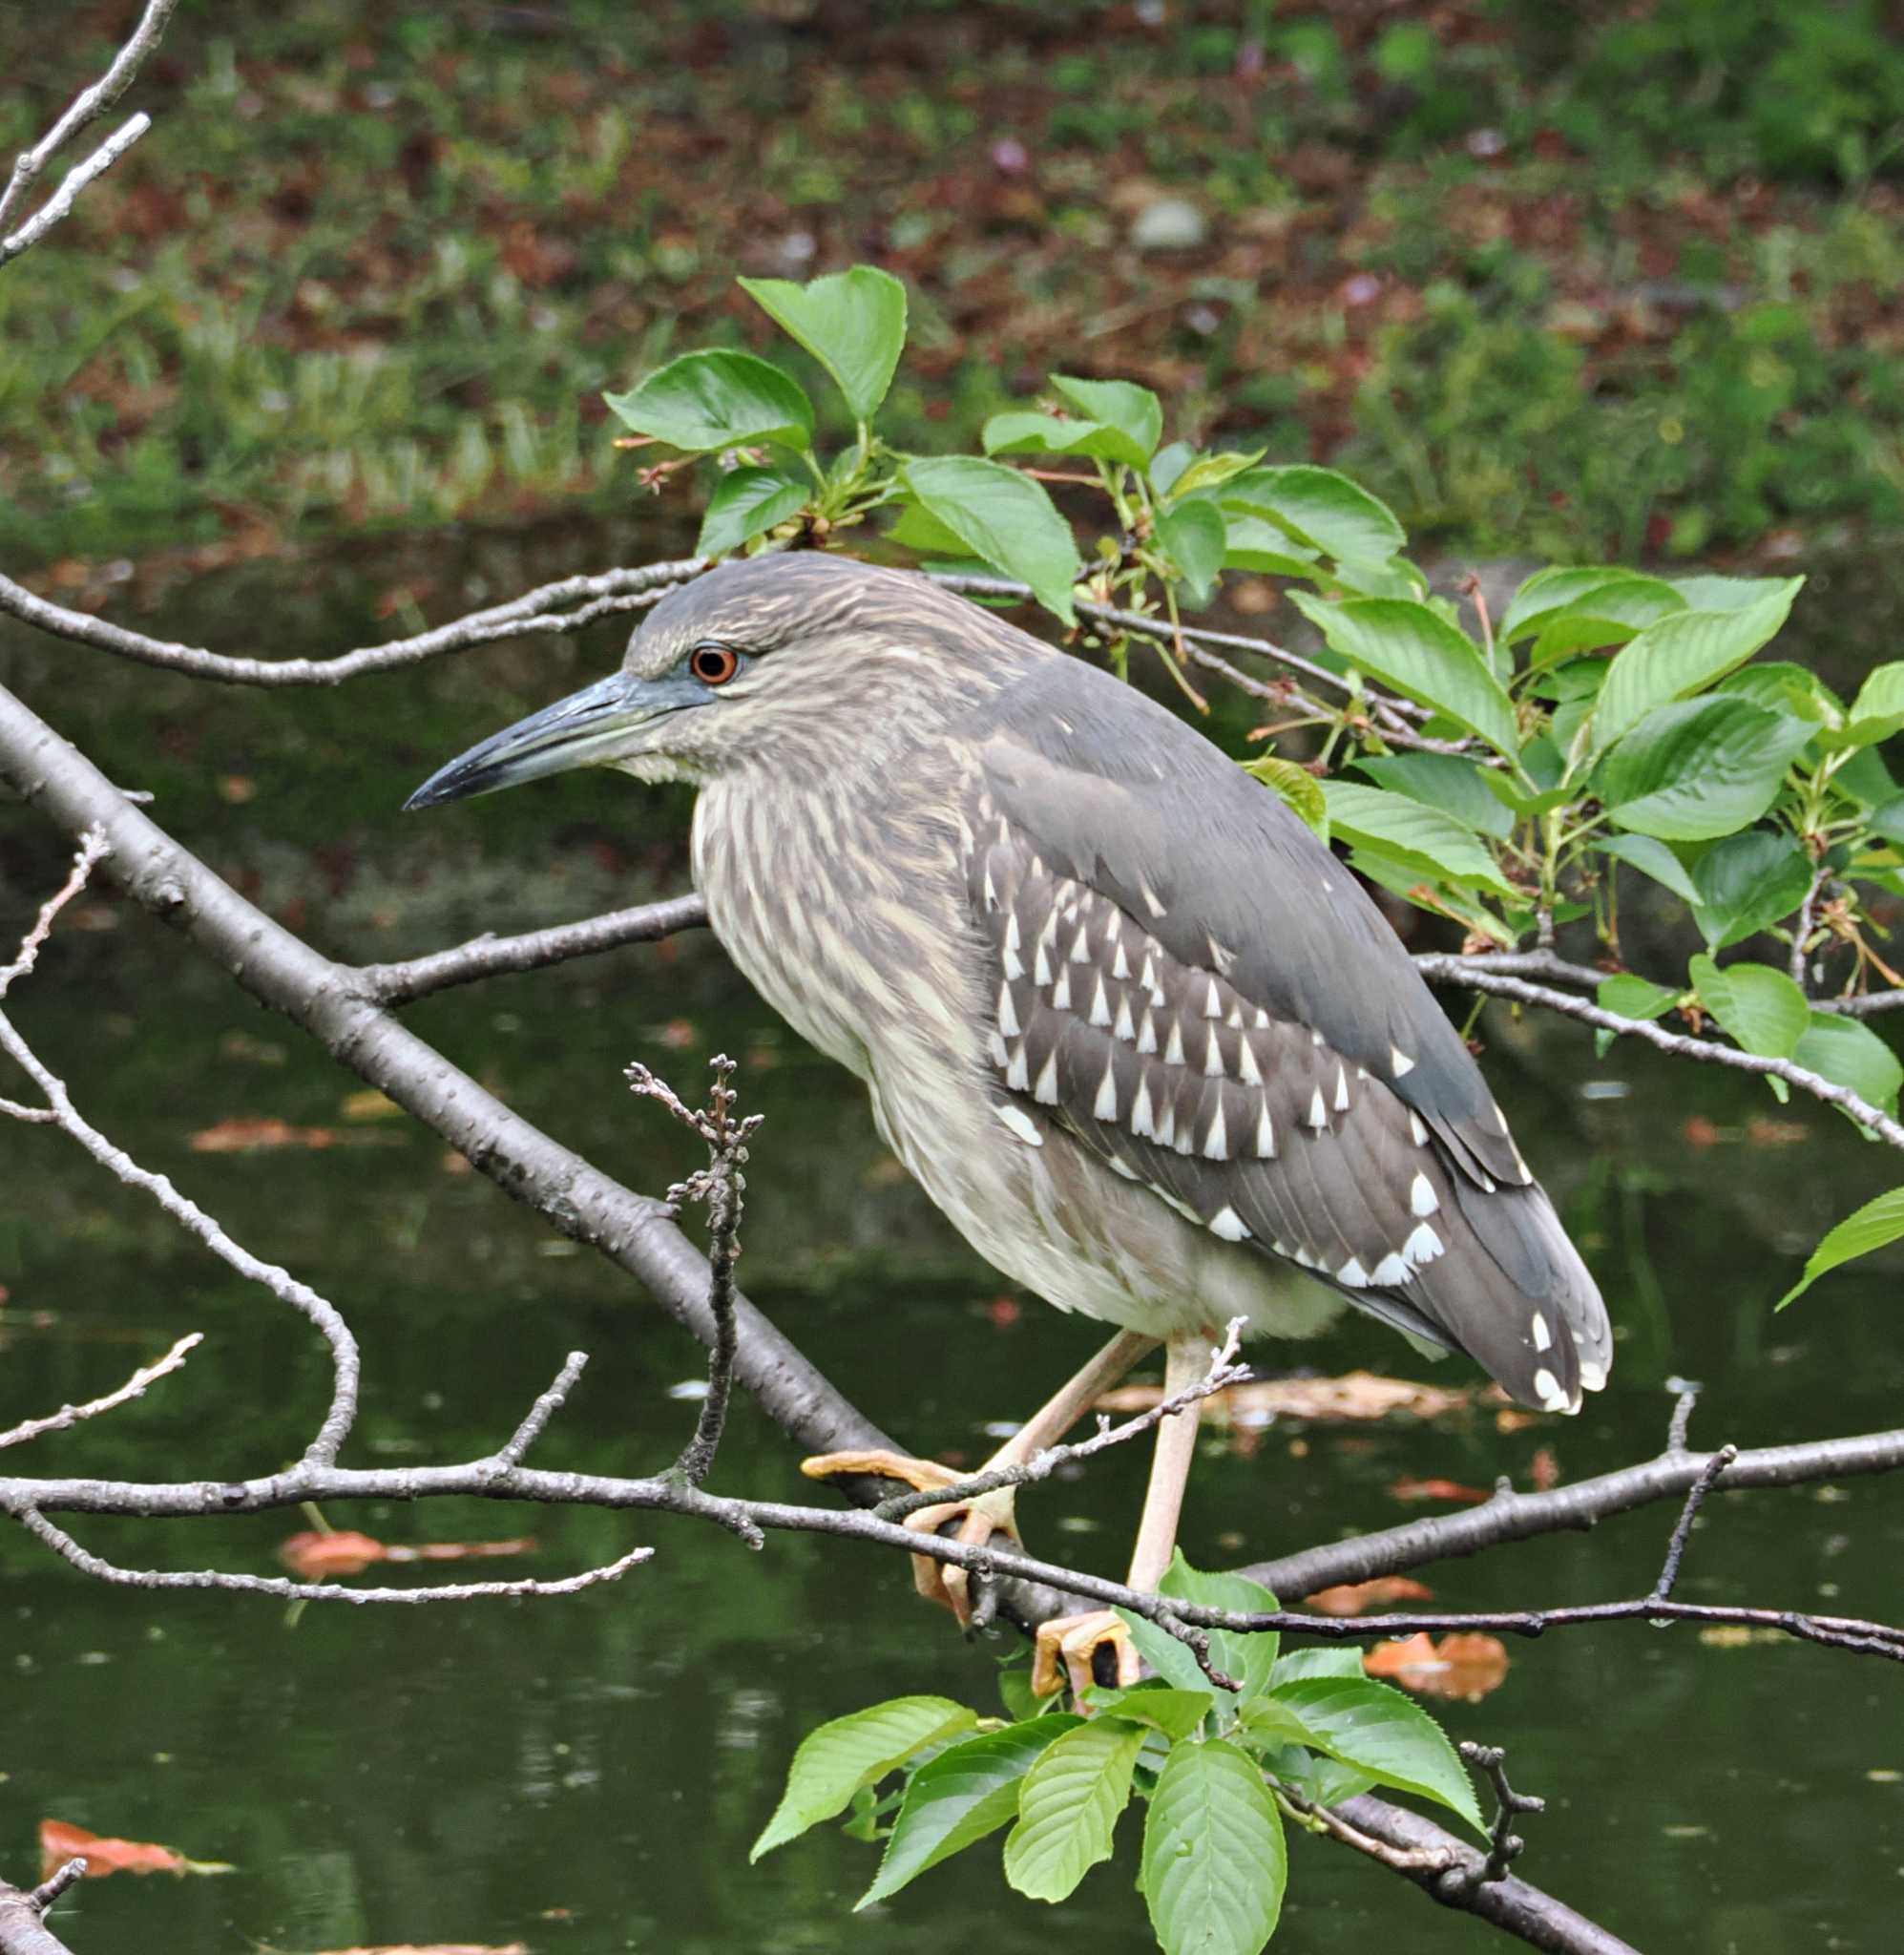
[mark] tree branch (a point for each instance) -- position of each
(491, 955)
(132, 1388)
(23, 1929)
(86, 107)
(538, 610)
(1476, 974)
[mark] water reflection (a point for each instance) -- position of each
(587, 1774)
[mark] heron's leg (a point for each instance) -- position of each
(1095, 1646)
(993, 1513)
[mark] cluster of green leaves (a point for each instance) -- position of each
(1213, 1767)
(1499, 775)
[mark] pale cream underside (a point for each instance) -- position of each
(1050, 1216)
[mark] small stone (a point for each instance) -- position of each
(1169, 224)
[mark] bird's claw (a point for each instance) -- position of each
(979, 1519)
(1083, 1650)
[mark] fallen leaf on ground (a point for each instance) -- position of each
(242, 1136)
(1357, 1598)
(1357, 1395)
(1467, 1667)
(60, 1842)
(1410, 1488)
(311, 1556)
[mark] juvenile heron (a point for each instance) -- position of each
(1129, 1023)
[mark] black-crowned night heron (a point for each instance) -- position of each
(1130, 1025)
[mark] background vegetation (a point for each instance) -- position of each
(1585, 283)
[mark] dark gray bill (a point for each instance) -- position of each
(582, 730)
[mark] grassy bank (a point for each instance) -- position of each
(1547, 282)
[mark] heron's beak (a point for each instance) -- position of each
(588, 728)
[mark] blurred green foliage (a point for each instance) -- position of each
(1591, 283)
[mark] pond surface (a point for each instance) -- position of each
(585, 1775)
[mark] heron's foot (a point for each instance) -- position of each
(979, 1519)
(1083, 1650)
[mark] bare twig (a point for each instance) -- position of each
(57, 1883)
(537, 611)
(1476, 975)
(1504, 1846)
(132, 1388)
(86, 107)
(1317, 1817)
(282, 1284)
(22, 1930)
(722, 1187)
(280, 1589)
(1223, 1372)
(489, 956)
(1801, 931)
(1678, 1426)
(92, 846)
(1695, 1498)
(510, 1453)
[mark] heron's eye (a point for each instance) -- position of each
(713, 664)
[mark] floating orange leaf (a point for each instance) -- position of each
(1466, 1667)
(1357, 1598)
(312, 1556)
(1357, 1395)
(437, 1948)
(1410, 1488)
(60, 1842)
(240, 1136)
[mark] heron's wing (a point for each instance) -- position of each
(1196, 988)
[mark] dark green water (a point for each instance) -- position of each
(585, 1775)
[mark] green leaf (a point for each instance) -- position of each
(1415, 650)
(1271, 1721)
(1249, 1658)
(1176, 1714)
(1552, 590)
(1728, 593)
(1634, 997)
(1609, 613)
(834, 1761)
(1762, 1008)
(1879, 710)
(1396, 824)
(1683, 653)
(1215, 1863)
(1018, 430)
(1887, 821)
(1851, 1055)
(1378, 1731)
(1699, 769)
(1296, 786)
(1169, 465)
(1652, 858)
(707, 401)
(1003, 517)
(1068, 1805)
(1249, 543)
(1193, 537)
(1119, 404)
(1872, 1227)
(1203, 470)
(1321, 507)
(959, 1796)
(1325, 1659)
(853, 322)
(1746, 883)
(748, 503)
(1785, 688)
(919, 529)
(1444, 781)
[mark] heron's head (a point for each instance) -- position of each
(795, 661)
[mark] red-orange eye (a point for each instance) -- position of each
(713, 664)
